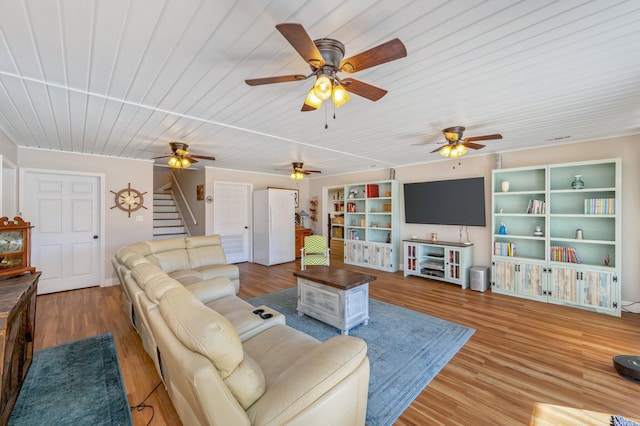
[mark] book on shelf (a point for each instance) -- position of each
(351, 207)
(564, 254)
(600, 206)
(372, 190)
(504, 249)
(536, 207)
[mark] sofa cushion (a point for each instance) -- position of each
(186, 276)
(205, 250)
(171, 260)
(225, 270)
(134, 260)
(215, 288)
(158, 286)
(143, 272)
(205, 331)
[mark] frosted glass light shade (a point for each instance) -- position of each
(340, 96)
(323, 87)
(313, 100)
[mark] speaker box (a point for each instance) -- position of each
(479, 276)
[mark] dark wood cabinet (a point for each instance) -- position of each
(300, 234)
(17, 326)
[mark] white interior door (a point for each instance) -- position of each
(231, 218)
(65, 212)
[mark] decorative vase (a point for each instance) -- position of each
(505, 186)
(577, 182)
(503, 229)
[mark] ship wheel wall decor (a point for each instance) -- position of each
(129, 199)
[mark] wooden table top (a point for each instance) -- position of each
(335, 277)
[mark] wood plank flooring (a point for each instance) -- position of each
(524, 358)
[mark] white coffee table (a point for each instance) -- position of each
(338, 297)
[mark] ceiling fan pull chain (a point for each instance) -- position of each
(326, 117)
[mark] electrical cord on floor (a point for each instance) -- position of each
(141, 406)
(625, 308)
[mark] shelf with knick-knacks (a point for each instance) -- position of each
(562, 226)
(371, 225)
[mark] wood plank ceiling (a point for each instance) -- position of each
(126, 77)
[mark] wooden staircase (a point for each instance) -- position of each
(167, 221)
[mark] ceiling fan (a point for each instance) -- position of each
(180, 158)
(456, 145)
(325, 57)
(298, 172)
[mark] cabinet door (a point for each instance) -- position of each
(453, 267)
(598, 289)
(504, 276)
(410, 263)
(564, 285)
(531, 279)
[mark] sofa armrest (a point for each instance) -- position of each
(212, 289)
(310, 378)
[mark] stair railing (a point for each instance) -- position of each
(183, 198)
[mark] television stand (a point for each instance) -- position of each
(439, 260)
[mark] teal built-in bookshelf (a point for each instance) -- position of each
(557, 234)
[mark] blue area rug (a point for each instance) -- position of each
(77, 383)
(406, 349)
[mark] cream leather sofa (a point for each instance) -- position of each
(222, 364)
(277, 376)
(199, 264)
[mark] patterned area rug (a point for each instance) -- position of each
(406, 349)
(77, 383)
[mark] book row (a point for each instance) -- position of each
(600, 206)
(504, 249)
(564, 254)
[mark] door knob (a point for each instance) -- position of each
(95, 237)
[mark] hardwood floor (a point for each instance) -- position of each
(523, 354)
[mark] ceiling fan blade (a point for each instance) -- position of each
(385, 52)
(436, 150)
(162, 156)
(307, 107)
(473, 145)
(298, 37)
(365, 90)
(306, 172)
(427, 142)
(275, 79)
(482, 138)
(203, 157)
(192, 160)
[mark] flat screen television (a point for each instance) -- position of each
(445, 202)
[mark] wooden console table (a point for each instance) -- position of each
(338, 297)
(17, 326)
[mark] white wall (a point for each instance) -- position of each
(189, 179)
(258, 180)
(120, 230)
(628, 148)
(8, 177)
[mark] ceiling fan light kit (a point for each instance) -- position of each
(298, 173)
(180, 157)
(457, 145)
(325, 57)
